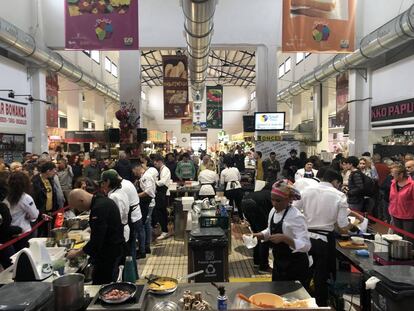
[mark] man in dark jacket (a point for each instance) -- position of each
(256, 207)
(92, 171)
(107, 244)
(124, 167)
(271, 167)
(292, 164)
(355, 191)
(44, 193)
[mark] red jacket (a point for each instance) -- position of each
(402, 202)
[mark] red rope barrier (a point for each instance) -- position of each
(390, 226)
(34, 228)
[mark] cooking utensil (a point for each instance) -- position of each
(77, 223)
(69, 291)
(160, 290)
(118, 285)
(165, 306)
(245, 298)
(398, 249)
(60, 233)
(152, 281)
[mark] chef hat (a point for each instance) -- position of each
(285, 189)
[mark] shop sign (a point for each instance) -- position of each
(342, 94)
(13, 113)
(86, 136)
(157, 136)
(404, 131)
(175, 82)
(214, 107)
(269, 138)
(393, 111)
(101, 25)
(316, 26)
(237, 137)
(186, 126)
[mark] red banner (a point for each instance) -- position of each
(52, 90)
(176, 104)
(318, 26)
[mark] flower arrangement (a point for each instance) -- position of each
(129, 121)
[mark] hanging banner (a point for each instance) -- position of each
(101, 24)
(318, 26)
(214, 107)
(175, 75)
(187, 126)
(342, 94)
(13, 113)
(52, 89)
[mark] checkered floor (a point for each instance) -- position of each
(168, 259)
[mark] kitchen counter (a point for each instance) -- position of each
(289, 290)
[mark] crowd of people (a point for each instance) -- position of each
(128, 202)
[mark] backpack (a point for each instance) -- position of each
(370, 186)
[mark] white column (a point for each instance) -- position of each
(74, 107)
(100, 113)
(130, 78)
(359, 114)
(266, 78)
(39, 134)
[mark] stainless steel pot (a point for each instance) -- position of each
(69, 292)
(60, 233)
(400, 249)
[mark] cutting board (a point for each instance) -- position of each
(350, 245)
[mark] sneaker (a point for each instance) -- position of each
(163, 236)
(256, 265)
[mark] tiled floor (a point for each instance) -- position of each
(168, 259)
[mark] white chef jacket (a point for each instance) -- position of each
(153, 172)
(231, 176)
(323, 206)
(304, 183)
(206, 178)
(294, 226)
(164, 178)
(24, 212)
(147, 182)
(133, 198)
(300, 173)
(120, 197)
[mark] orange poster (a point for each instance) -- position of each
(319, 26)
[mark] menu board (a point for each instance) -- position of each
(12, 147)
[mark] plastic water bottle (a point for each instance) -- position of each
(130, 274)
(378, 239)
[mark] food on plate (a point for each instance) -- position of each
(296, 304)
(267, 300)
(357, 240)
(163, 285)
(116, 294)
(324, 5)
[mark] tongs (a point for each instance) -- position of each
(152, 281)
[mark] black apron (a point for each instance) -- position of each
(330, 235)
(287, 266)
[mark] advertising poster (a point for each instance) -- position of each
(101, 24)
(318, 26)
(200, 126)
(187, 126)
(342, 94)
(214, 107)
(52, 89)
(175, 74)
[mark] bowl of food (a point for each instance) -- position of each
(357, 240)
(267, 300)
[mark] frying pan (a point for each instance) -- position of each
(124, 286)
(153, 287)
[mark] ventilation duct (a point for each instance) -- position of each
(198, 27)
(393, 34)
(23, 45)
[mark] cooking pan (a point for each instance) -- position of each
(118, 285)
(167, 285)
(398, 249)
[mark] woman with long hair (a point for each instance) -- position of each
(22, 207)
